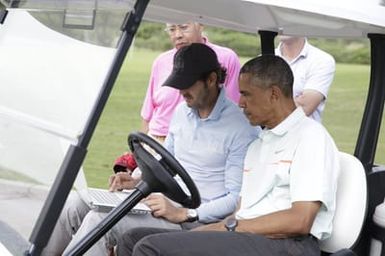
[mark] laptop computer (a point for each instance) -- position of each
(104, 200)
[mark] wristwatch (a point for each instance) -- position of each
(192, 215)
(231, 223)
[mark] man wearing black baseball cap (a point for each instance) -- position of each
(208, 135)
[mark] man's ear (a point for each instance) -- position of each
(276, 93)
(212, 79)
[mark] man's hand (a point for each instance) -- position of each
(161, 206)
(122, 180)
(309, 100)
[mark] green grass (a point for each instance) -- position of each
(342, 114)
(120, 117)
(345, 106)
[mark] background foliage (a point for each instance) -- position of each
(152, 36)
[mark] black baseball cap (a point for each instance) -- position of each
(190, 63)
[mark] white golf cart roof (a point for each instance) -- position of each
(327, 18)
(309, 18)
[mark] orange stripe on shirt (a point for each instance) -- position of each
(283, 161)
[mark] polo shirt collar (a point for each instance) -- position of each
(286, 125)
(305, 50)
(302, 54)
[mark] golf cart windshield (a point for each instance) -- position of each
(54, 59)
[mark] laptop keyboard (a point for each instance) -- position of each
(105, 201)
(105, 197)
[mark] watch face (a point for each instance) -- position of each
(231, 224)
(192, 215)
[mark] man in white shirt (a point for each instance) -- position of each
(288, 193)
(313, 73)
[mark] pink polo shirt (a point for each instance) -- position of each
(160, 101)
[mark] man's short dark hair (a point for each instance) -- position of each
(269, 70)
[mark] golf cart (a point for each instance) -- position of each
(66, 55)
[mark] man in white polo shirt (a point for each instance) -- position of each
(313, 73)
(289, 180)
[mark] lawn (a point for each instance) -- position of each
(342, 115)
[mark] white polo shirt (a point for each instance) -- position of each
(295, 161)
(313, 69)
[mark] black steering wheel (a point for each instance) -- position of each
(160, 168)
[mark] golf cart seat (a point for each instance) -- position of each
(350, 207)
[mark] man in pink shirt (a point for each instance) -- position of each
(160, 101)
